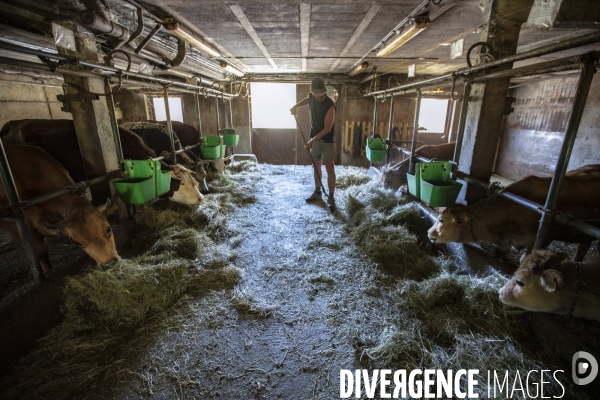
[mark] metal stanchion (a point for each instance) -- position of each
(169, 126)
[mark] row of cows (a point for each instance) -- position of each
(544, 281)
(44, 156)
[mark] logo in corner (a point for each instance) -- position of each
(584, 367)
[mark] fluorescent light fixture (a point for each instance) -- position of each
(231, 69)
(179, 30)
(359, 68)
(419, 24)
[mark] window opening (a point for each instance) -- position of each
(175, 109)
(271, 103)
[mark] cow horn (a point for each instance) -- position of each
(105, 206)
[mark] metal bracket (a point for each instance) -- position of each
(66, 99)
(181, 54)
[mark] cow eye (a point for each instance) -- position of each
(108, 231)
(518, 282)
(441, 222)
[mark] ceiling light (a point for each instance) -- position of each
(231, 69)
(419, 24)
(179, 30)
(359, 68)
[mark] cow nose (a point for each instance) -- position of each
(117, 258)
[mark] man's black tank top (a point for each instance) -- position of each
(318, 110)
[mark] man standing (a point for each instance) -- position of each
(322, 113)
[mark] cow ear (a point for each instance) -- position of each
(552, 280)
(461, 217)
(47, 229)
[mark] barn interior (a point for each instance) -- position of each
(245, 290)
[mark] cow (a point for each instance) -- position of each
(502, 222)
(550, 282)
(156, 136)
(58, 138)
(394, 176)
(36, 173)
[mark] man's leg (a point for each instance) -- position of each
(315, 152)
(317, 173)
(330, 176)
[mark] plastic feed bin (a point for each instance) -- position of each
(162, 180)
(135, 190)
(211, 152)
(376, 149)
(231, 140)
(414, 181)
(438, 189)
(211, 141)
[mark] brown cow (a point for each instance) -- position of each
(36, 173)
(58, 138)
(502, 222)
(546, 282)
(394, 176)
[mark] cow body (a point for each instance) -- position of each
(545, 282)
(36, 173)
(394, 176)
(58, 137)
(502, 222)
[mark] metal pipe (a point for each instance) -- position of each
(187, 148)
(583, 88)
(413, 145)
(145, 78)
(74, 188)
(22, 225)
(390, 123)
(99, 23)
(197, 100)
(540, 51)
(218, 120)
(148, 38)
(113, 119)
(54, 56)
(230, 115)
(462, 121)
(561, 218)
(43, 67)
(140, 27)
(169, 126)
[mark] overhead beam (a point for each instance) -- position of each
(241, 16)
(304, 32)
(364, 23)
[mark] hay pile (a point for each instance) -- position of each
(445, 319)
(382, 229)
(351, 177)
(111, 314)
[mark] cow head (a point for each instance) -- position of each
(539, 284)
(199, 170)
(452, 225)
(394, 176)
(87, 226)
(187, 192)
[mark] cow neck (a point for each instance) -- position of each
(584, 294)
(481, 204)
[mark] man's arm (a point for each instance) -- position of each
(301, 103)
(326, 127)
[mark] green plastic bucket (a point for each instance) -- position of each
(162, 181)
(438, 189)
(375, 155)
(414, 182)
(376, 143)
(211, 152)
(231, 140)
(211, 141)
(139, 168)
(440, 193)
(135, 190)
